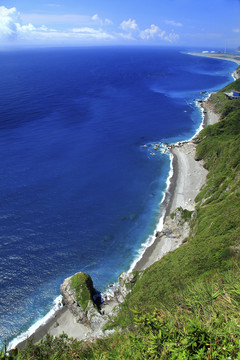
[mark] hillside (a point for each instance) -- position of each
(186, 305)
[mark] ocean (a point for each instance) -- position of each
(81, 184)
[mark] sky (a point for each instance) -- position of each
(191, 23)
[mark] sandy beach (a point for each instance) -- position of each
(188, 177)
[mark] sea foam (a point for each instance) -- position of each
(25, 335)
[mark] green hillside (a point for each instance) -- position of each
(186, 305)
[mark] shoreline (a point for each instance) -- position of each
(183, 157)
(165, 240)
(228, 57)
(185, 183)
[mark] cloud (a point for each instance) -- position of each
(72, 29)
(171, 37)
(129, 24)
(155, 32)
(173, 23)
(9, 22)
(236, 30)
(101, 22)
(125, 35)
(11, 27)
(150, 33)
(133, 32)
(92, 33)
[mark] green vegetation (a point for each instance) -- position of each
(83, 286)
(221, 103)
(202, 324)
(185, 306)
(185, 214)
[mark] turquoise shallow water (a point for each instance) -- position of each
(79, 190)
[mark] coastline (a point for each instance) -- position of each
(228, 57)
(188, 177)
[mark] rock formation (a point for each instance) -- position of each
(77, 292)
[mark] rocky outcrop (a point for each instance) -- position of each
(77, 292)
(126, 282)
(70, 294)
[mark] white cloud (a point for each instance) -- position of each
(155, 32)
(127, 36)
(96, 18)
(11, 27)
(171, 37)
(149, 33)
(81, 29)
(173, 23)
(129, 24)
(28, 28)
(43, 28)
(133, 32)
(9, 21)
(108, 21)
(236, 30)
(93, 33)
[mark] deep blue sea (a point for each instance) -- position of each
(79, 190)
